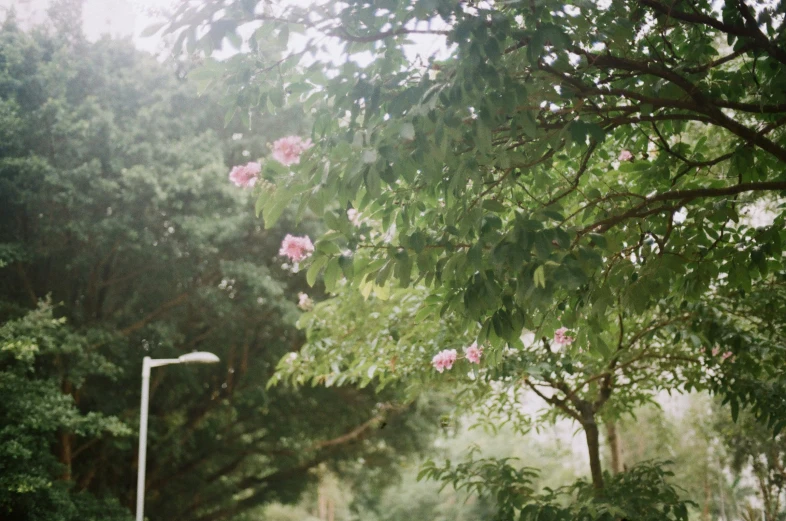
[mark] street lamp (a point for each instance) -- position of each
(148, 363)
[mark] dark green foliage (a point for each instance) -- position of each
(115, 207)
(35, 411)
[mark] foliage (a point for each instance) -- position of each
(751, 445)
(35, 411)
(581, 165)
(750, 324)
(114, 206)
(640, 493)
(356, 340)
(509, 485)
(481, 165)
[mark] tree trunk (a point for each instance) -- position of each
(322, 504)
(65, 455)
(615, 447)
(593, 446)
(705, 512)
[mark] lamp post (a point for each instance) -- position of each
(147, 364)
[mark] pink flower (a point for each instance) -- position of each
(473, 352)
(296, 248)
(727, 354)
(715, 351)
(245, 176)
(287, 150)
(625, 155)
(304, 302)
(444, 359)
(561, 338)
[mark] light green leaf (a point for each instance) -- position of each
(539, 277)
(313, 270)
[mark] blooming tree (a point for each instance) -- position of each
(554, 167)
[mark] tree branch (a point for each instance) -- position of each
(750, 31)
(684, 196)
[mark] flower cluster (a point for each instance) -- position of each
(625, 155)
(444, 359)
(296, 248)
(717, 351)
(287, 150)
(561, 337)
(473, 352)
(724, 356)
(245, 176)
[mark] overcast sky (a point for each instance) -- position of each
(114, 17)
(128, 18)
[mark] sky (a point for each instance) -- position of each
(118, 18)
(128, 18)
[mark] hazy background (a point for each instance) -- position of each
(117, 18)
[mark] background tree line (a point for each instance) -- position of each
(120, 238)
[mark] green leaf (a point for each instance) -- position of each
(230, 113)
(347, 266)
(314, 269)
(328, 247)
(539, 277)
(332, 272)
(494, 206)
(599, 345)
(283, 35)
(150, 30)
(403, 268)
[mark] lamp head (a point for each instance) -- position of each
(199, 357)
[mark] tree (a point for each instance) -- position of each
(35, 412)
(752, 445)
(582, 166)
(114, 207)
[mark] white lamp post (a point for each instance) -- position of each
(147, 364)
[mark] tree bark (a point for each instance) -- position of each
(614, 447)
(705, 512)
(593, 446)
(65, 455)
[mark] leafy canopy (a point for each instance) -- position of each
(582, 165)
